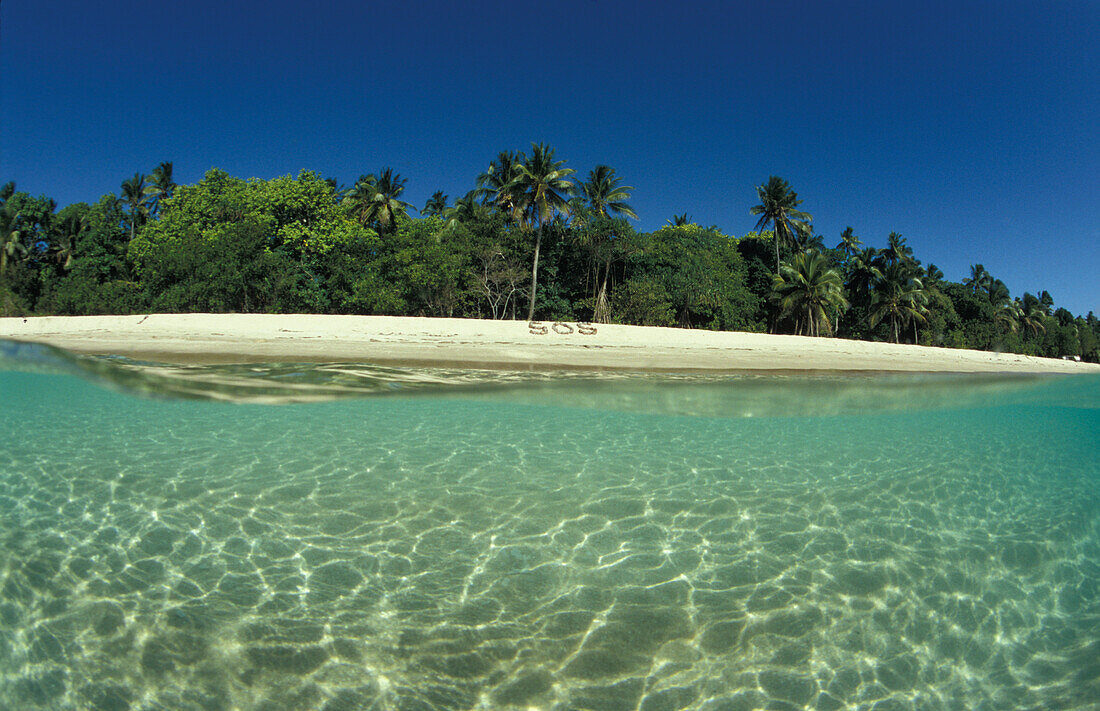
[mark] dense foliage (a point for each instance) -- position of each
(300, 244)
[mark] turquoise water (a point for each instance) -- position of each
(414, 539)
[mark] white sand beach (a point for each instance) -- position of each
(243, 338)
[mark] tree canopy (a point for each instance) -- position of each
(524, 229)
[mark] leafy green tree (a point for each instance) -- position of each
(778, 207)
(432, 277)
(697, 275)
(99, 280)
(277, 235)
(679, 220)
(810, 290)
(542, 188)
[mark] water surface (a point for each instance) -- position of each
(430, 539)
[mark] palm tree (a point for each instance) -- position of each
(1032, 314)
(863, 274)
(11, 239)
(808, 288)
(980, 279)
(849, 243)
(466, 209)
(805, 240)
(542, 188)
(900, 297)
(161, 185)
(377, 199)
(680, 220)
(495, 186)
(1008, 315)
(777, 206)
(69, 230)
(998, 294)
(135, 194)
(436, 205)
(605, 195)
(897, 251)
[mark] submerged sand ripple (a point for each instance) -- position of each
(458, 555)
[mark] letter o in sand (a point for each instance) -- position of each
(567, 327)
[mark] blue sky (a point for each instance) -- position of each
(969, 127)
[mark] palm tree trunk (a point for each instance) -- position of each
(602, 314)
(897, 339)
(776, 224)
(535, 274)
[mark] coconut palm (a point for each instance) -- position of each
(805, 240)
(376, 200)
(899, 297)
(1008, 316)
(979, 279)
(466, 209)
(436, 205)
(897, 251)
(849, 243)
(998, 294)
(810, 290)
(68, 231)
(863, 274)
(542, 188)
(135, 195)
(777, 206)
(680, 220)
(1032, 314)
(495, 187)
(161, 185)
(605, 195)
(11, 238)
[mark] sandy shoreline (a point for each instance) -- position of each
(242, 338)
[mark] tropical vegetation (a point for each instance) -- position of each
(530, 239)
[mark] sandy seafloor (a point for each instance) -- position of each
(658, 542)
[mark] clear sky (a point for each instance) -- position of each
(970, 127)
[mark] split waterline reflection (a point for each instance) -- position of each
(501, 549)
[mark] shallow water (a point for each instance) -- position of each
(569, 541)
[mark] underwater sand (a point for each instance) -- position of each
(451, 540)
